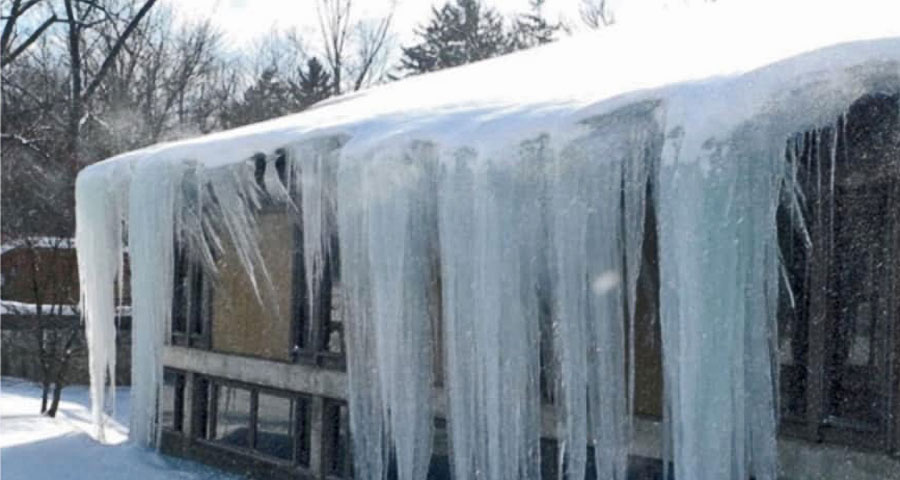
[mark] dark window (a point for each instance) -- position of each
(838, 307)
(282, 427)
(318, 324)
(274, 426)
(302, 431)
(173, 400)
(232, 417)
(266, 423)
(202, 400)
(191, 302)
(336, 456)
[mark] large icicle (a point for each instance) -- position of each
(718, 251)
(490, 240)
(98, 235)
(151, 240)
(388, 233)
(598, 192)
(314, 177)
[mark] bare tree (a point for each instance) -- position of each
(17, 10)
(339, 31)
(47, 294)
(596, 13)
(81, 16)
(372, 42)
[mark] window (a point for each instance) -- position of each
(268, 424)
(838, 310)
(232, 417)
(191, 302)
(200, 408)
(173, 400)
(318, 324)
(336, 458)
(274, 426)
(282, 427)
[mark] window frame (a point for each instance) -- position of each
(192, 305)
(309, 336)
(208, 423)
(820, 319)
(330, 438)
(178, 409)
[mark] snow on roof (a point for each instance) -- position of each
(38, 242)
(552, 88)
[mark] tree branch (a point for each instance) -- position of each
(8, 58)
(29, 144)
(110, 58)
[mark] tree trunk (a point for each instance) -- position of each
(57, 392)
(45, 391)
(61, 372)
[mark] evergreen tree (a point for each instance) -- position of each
(460, 32)
(313, 85)
(268, 97)
(464, 31)
(532, 29)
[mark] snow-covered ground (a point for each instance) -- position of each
(36, 447)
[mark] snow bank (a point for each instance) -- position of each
(35, 446)
(521, 184)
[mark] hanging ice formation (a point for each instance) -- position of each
(469, 224)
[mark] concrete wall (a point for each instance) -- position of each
(798, 459)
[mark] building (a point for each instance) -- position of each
(40, 312)
(430, 278)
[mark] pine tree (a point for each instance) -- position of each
(268, 97)
(532, 29)
(458, 33)
(464, 31)
(314, 84)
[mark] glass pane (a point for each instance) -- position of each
(303, 431)
(275, 415)
(232, 416)
(793, 312)
(857, 277)
(337, 425)
(173, 400)
(180, 288)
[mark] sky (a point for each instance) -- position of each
(244, 21)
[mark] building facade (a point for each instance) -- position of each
(261, 388)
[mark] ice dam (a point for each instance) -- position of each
(509, 202)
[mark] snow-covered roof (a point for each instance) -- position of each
(712, 94)
(555, 86)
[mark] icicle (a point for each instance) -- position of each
(388, 235)
(489, 227)
(152, 242)
(718, 251)
(234, 200)
(314, 179)
(98, 233)
(599, 191)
